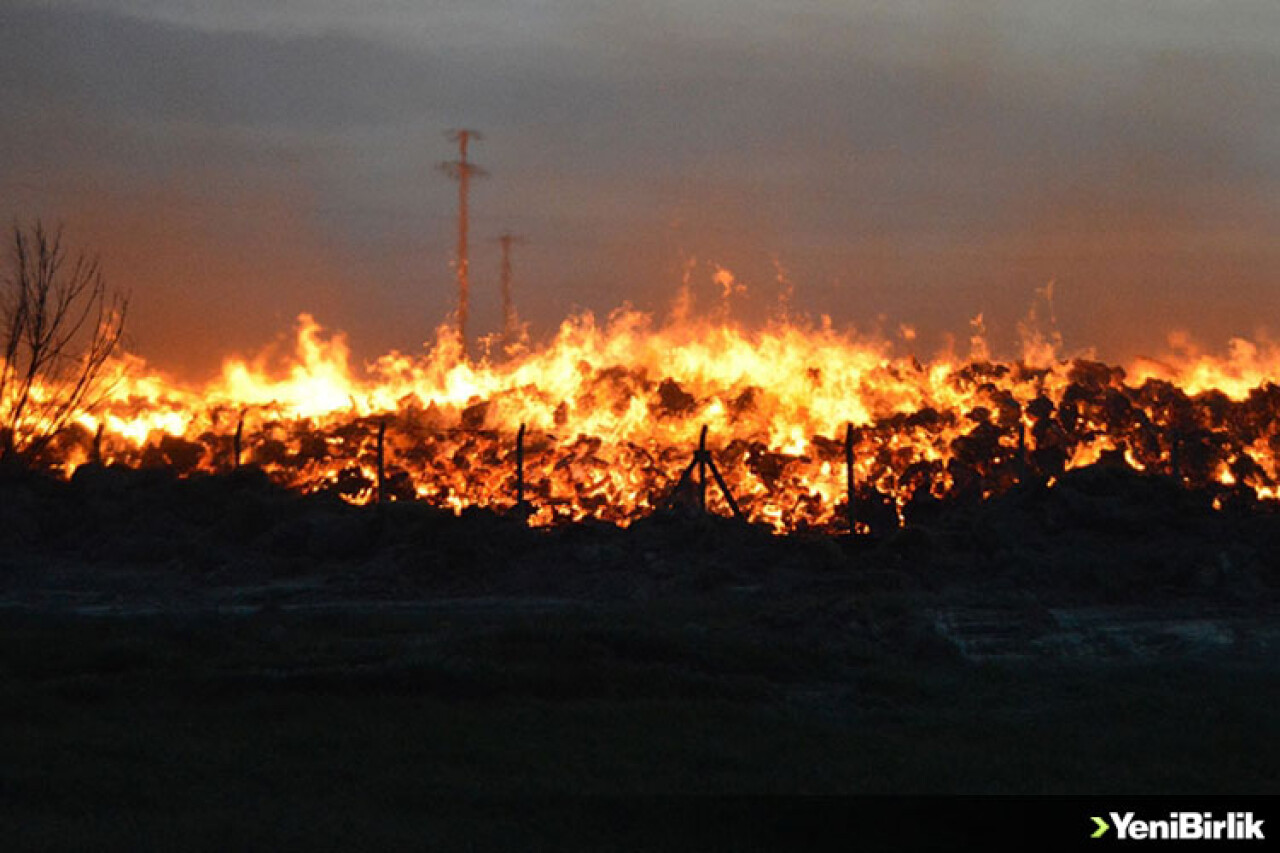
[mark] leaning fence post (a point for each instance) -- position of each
(850, 482)
(382, 434)
(705, 463)
(724, 490)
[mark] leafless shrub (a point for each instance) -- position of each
(59, 325)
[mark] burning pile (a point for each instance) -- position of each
(613, 414)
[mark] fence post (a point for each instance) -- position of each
(1024, 464)
(96, 454)
(235, 444)
(382, 434)
(701, 456)
(850, 481)
(520, 467)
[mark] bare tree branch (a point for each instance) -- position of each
(59, 325)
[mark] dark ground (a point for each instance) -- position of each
(214, 663)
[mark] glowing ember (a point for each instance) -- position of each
(613, 415)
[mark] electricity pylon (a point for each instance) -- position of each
(463, 171)
(506, 239)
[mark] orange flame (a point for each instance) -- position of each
(614, 410)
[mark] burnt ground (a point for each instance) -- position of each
(213, 661)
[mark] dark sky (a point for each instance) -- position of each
(237, 162)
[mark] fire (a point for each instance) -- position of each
(613, 413)
(318, 383)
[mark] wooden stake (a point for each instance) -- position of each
(1023, 462)
(702, 458)
(235, 444)
(520, 467)
(96, 455)
(382, 434)
(850, 481)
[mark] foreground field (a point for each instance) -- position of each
(316, 729)
(184, 671)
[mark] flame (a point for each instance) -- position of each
(1244, 368)
(614, 409)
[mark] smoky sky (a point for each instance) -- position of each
(236, 163)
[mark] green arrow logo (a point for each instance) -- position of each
(1102, 828)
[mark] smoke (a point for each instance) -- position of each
(237, 167)
(211, 276)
